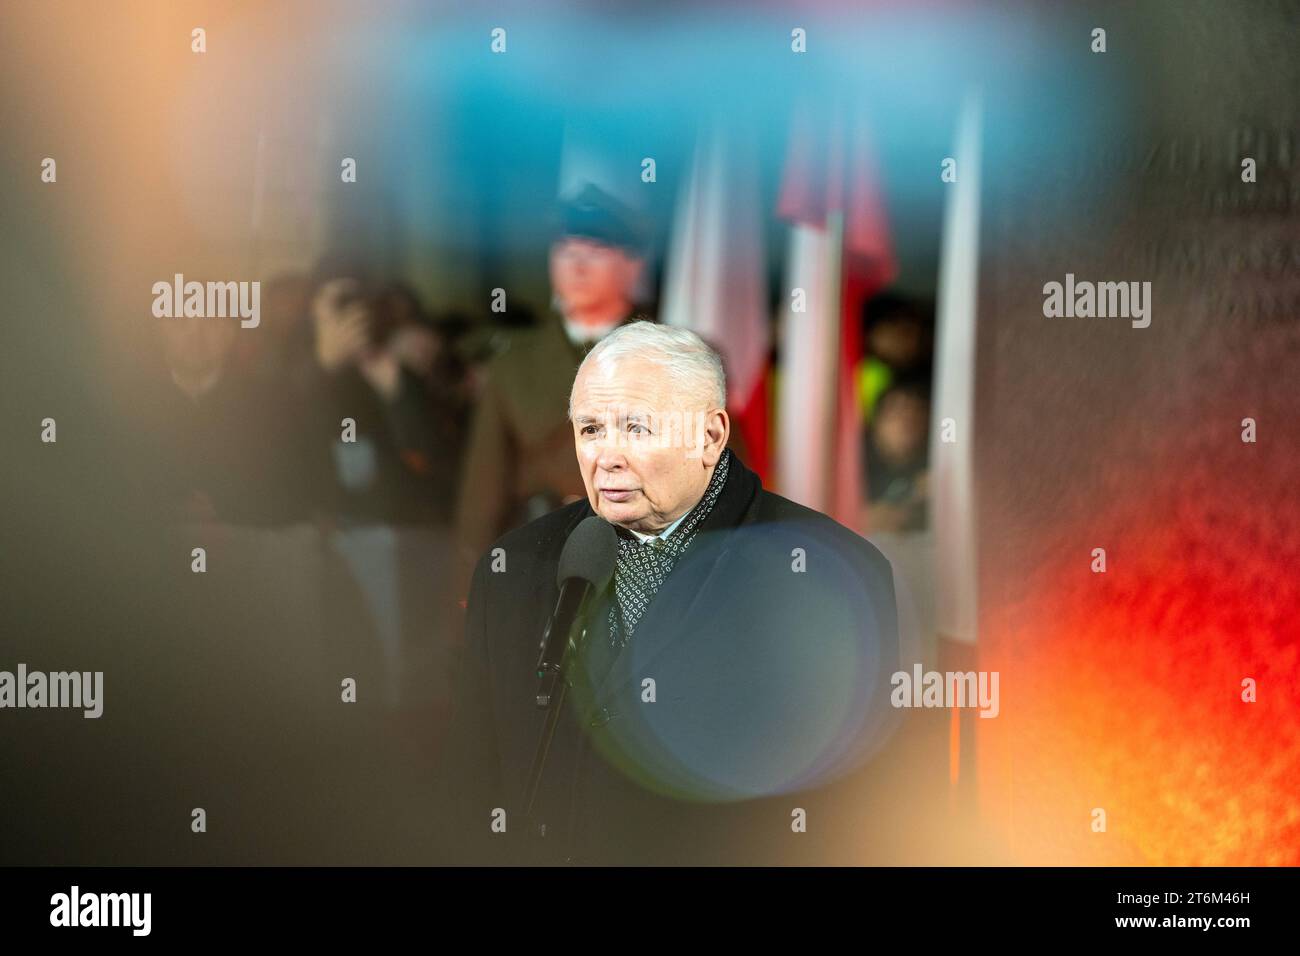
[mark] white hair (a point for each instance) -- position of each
(689, 364)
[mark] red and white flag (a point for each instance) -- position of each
(840, 254)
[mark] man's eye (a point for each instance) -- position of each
(636, 429)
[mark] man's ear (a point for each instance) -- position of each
(717, 429)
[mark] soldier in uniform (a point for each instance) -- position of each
(519, 462)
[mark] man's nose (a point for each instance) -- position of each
(609, 455)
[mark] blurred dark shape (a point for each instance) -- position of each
(221, 442)
(284, 302)
(369, 353)
(897, 456)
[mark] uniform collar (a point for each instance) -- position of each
(585, 335)
(582, 337)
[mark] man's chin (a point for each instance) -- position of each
(620, 514)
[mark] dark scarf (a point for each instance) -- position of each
(642, 567)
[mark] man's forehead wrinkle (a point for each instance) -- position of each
(616, 395)
(630, 388)
(595, 412)
(602, 395)
(626, 372)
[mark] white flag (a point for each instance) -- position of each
(952, 466)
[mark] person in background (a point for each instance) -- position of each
(519, 457)
(899, 337)
(897, 457)
(383, 409)
(428, 351)
(370, 356)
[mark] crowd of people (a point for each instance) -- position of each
(351, 407)
(354, 405)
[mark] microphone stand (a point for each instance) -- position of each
(551, 693)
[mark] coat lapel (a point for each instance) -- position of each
(667, 620)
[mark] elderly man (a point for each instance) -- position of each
(735, 668)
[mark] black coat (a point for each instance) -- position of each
(769, 648)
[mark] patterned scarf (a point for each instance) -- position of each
(641, 568)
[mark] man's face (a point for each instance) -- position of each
(900, 426)
(896, 341)
(637, 477)
(586, 274)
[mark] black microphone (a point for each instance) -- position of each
(586, 565)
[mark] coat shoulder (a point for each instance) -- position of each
(775, 509)
(542, 537)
